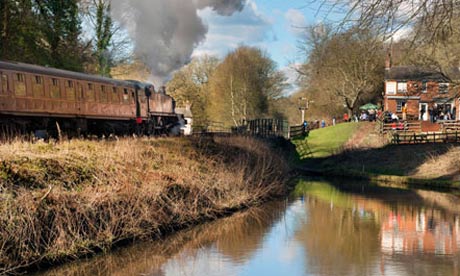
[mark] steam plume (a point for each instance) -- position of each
(167, 31)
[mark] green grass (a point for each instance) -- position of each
(326, 141)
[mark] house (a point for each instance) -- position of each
(420, 89)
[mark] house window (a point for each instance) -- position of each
(399, 105)
(402, 87)
(391, 88)
(424, 87)
(443, 88)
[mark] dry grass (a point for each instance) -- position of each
(64, 200)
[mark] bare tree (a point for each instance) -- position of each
(390, 16)
(343, 69)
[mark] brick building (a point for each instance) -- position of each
(419, 89)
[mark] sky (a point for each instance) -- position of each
(273, 25)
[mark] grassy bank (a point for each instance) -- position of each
(360, 152)
(66, 200)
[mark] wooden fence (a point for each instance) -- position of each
(406, 126)
(256, 127)
(298, 131)
(420, 138)
(450, 126)
(267, 128)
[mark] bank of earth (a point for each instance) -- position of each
(66, 200)
(358, 150)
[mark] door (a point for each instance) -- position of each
(423, 112)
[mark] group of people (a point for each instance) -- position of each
(437, 112)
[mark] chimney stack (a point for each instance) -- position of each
(388, 61)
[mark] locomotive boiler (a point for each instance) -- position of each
(36, 99)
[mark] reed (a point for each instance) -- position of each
(65, 200)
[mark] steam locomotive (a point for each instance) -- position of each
(46, 101)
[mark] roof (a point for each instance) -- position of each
(414, 73)
(40, 70)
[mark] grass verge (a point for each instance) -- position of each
(79, 197)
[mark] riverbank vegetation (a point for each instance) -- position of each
(65, 200)
(360, 151)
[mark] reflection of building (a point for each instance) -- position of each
(408, 234)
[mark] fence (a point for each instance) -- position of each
(450, 126)
(420, 138)
(267, 128)
(406, 126)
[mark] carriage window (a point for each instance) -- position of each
(70, 90)
(90, 96)
(55, 91)
(103, 97)
(38, 89)
(20, 77)
(20, 85)
(38, 80)
(125, 96)
(115, 97)
(4, 83)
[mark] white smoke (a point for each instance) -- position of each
(166, 32)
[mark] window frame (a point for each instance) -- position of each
(403, 84)
(445, 88)
(391, 84)
(5, 83)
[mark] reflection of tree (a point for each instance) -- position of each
(337, 241)
(237, 237)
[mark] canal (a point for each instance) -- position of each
(326, 227)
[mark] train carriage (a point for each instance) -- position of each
(34, 98)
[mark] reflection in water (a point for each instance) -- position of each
(327, 228)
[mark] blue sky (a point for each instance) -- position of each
(273, 25)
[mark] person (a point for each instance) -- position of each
(372, 115)
(345, 117)
(422, 112)
(431, 112)
(394, 117)
(333, 121)
(404, 111)
(323, 124)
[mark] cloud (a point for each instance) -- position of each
(247, 27)
(292, 78)
(296, 20)
(166, 32)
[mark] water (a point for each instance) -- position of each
(324, 228)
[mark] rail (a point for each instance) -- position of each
(450, 125)
(406, 126)
(422, 138)
(298, 131)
